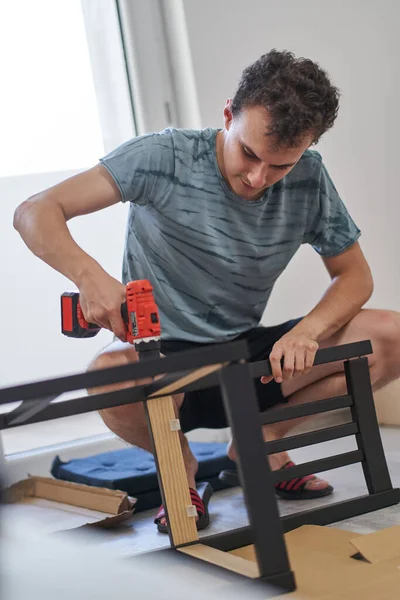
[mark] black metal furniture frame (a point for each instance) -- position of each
(226, 364)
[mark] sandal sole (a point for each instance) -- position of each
(205, 492)
(230, 477)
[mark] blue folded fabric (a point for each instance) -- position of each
(133, 470)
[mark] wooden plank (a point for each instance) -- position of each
(186, 379)
(101, 499)
(245, 552)
(171, 470)
(222, 559)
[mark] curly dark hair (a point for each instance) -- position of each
(297, 93)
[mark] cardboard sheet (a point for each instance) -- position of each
(381, 546)
(385, 588)
(325, 539)
(310, 538)
(321, 558)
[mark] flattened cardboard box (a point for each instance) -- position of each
(61, 505)
(334, 564)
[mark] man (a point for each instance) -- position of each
(215, 217)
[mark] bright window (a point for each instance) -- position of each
(49, 117)
(64, 103)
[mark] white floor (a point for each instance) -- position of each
(228, 511)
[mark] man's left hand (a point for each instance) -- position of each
(291, 356)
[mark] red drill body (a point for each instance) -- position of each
(139, 313)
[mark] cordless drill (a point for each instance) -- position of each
(139, 313)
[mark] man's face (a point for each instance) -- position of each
(247, 157)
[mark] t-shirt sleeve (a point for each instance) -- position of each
(331, 230)
(138, 164)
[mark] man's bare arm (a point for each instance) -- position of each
(42, 219)
(42, 223)
(350, 288)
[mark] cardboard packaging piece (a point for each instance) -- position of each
(334, 564)
(61, 505)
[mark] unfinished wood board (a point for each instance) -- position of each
(86, 496)
(222, 559)
(186, 379)
(246, 552)
(66, 492)
(161, 412)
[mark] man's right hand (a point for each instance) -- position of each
(100, 297)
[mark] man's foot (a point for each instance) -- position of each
(309, 483)
(191, 467)
(200, 498)
(299, 488)
(292, 489)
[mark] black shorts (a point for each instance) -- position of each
(204, 408)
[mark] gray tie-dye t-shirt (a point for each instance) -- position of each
(211, 256)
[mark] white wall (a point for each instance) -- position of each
(61, 109)
(32, 346)
(357, 42)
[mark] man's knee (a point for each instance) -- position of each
(388, 326)
(115, 355)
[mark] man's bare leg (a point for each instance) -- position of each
(336, 385)
(129, 421)
(382, 327)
